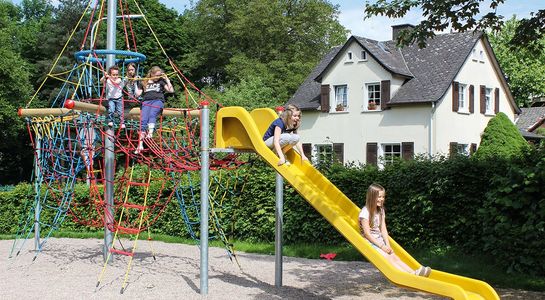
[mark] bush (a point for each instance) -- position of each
(501, 138)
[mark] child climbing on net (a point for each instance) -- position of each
(282, 133)
(373, 227)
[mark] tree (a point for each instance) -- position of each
(462, 15)
(14, 89)
(279, 41)
(524, 68)
(501, 138)
(250, 94)
(169, 27)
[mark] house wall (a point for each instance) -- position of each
(463, 127)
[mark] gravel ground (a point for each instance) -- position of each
(69, 268)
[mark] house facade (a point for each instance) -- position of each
(370, 102)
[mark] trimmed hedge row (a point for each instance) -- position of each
(492, 205)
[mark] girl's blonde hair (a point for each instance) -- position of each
(286, 117)
(371, 202)
(149, 77)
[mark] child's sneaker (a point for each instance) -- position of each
(427, 271)
(138, 149)
(123, 126)
(420, 271)
(111, 124)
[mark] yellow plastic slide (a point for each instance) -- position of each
(238, 129)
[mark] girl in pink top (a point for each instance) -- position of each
(373, 227)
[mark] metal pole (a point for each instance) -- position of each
(37, 178)
(205, 178)
(109, 151)
(92, 40)
(278, 230)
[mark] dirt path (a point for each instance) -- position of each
(69, 268)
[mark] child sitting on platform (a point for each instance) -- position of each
(282, 133)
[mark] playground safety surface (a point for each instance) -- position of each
(69, 268)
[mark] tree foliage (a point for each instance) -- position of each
(524, 68)
(462, 15)
(15, 155)
(279, 41)
(501, 138)
(168, 26)
(250, 93)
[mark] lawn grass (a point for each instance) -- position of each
(445, 259)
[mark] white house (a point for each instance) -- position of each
(368, 101)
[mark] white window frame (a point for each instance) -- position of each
(489, 110)
(363, 55)
(463, 101)
(462, 149)
(375, 97)
(389, 155)
(474, 54)
(349, 57)
(322, 150)
(341, 98)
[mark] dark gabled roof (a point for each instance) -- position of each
(429, 71)
(307, 95)
(529, 117)
(383, 52)
(434, 67)
(530, 135)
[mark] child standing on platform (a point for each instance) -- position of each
(373, 227)
(114, 93)
(282, 133)
(131, 81)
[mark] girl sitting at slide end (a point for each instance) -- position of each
(373, 227)
(282, 133)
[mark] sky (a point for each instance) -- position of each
(379, 28)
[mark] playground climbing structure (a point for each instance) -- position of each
(72, 139)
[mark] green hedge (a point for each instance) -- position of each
(493, 205)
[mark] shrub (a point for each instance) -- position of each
(501, 138)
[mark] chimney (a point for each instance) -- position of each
(396, 29)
